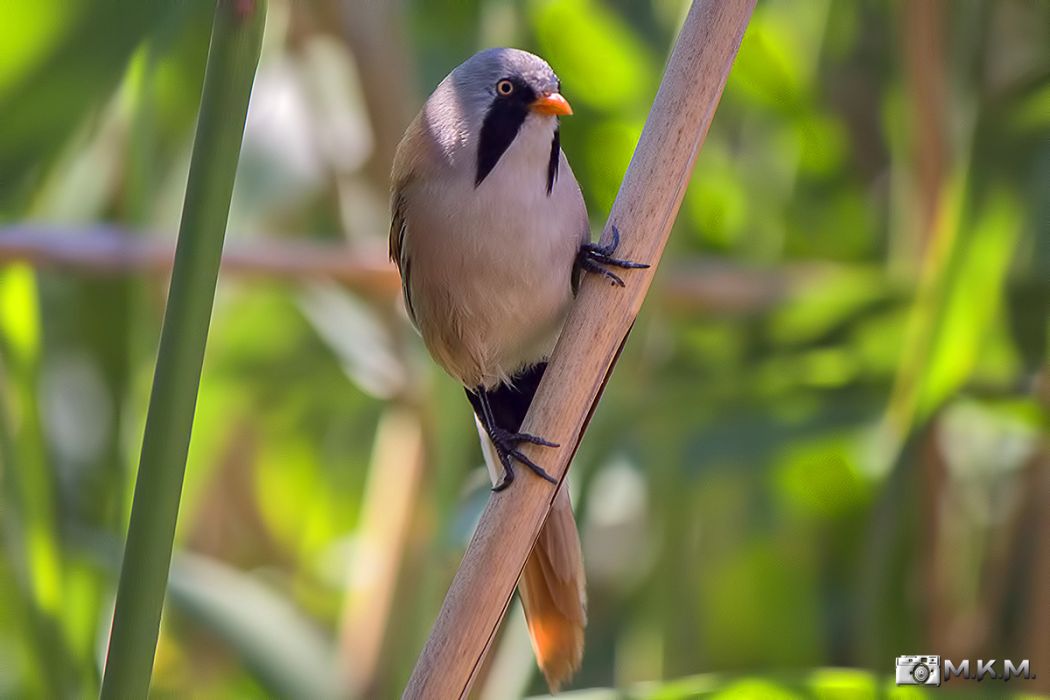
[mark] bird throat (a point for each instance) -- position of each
(500, 127)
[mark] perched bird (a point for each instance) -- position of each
(490, 233)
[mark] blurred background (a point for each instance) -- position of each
(824, 446)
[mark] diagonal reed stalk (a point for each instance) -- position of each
(232, 58)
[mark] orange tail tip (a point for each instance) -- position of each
(552, 593)
(558, 644)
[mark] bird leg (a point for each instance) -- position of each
(595, 257)
(506, 443)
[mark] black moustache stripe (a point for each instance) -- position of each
(552, 165)
(501, 125)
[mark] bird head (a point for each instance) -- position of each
(492, 98)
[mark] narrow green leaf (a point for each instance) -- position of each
(232, 58)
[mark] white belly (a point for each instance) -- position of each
(490, 268)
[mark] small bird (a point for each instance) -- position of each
(490, 233)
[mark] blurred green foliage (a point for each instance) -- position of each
(828, 456)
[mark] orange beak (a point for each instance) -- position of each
(553, 105)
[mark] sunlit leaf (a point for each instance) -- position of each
(596, 54)
(69, 60)
(821, 479)
(962, 289)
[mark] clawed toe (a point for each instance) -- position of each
(506, 446)
(588, 263)
(508, 439)
(593, 257)
(536, 469)
(507, 480)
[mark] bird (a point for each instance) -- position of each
(490, 233)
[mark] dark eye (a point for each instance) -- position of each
(504, 87)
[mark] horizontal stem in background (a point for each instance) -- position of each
(709, 285)
(232, 59)
(111, 250)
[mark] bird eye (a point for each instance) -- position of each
(504, 87)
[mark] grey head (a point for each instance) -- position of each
(477, 77)
(482, 105)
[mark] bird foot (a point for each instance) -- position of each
(506, 444)
(596, 258)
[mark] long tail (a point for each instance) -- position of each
(552, 585)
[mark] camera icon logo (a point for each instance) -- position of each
(919, 670)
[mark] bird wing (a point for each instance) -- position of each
(398, 229)
(398, 223)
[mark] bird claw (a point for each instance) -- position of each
(506, 444)
(594, 257)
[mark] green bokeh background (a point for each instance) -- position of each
(824, 446)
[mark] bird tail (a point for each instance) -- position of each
(552, 586)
